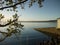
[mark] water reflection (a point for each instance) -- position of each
(28, 36)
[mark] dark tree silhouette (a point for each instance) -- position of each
(13, 3)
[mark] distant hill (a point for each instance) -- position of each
(41, 21)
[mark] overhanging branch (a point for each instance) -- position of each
(7, 23)
(13, 5)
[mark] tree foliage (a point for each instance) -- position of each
(1, 16)
(13, 3)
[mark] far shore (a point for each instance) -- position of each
(41, 21)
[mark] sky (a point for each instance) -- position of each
(49, 11)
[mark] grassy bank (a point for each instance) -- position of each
(50, 31)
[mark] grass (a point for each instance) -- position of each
(50, 31)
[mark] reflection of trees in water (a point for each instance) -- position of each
(13, 28)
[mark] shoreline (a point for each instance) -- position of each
(50, 31)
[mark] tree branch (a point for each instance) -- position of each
(7, 23)
(13, 5)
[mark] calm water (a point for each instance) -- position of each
(28, 36)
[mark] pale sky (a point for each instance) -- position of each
(49, 11)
